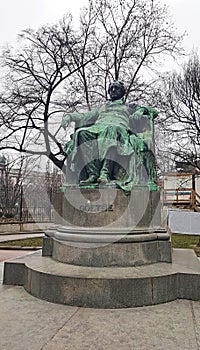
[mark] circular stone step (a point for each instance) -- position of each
(117, 247)
(109, 287)
(117, 254)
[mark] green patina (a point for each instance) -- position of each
(123, 133)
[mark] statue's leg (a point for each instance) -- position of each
(151, 170)
(105, 171)
(89, 153)
(107, 166)
(110, 139)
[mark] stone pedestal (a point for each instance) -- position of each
(108, 228)
(108, 208)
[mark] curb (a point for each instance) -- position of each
(21, 233)
(19, 248)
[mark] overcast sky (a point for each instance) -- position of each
(16, 15)
(186, 14)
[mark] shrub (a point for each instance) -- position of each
(9, 215)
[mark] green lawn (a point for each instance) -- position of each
(186, 241)
(178, 241)
(29, 242)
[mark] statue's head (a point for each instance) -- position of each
(116, 90)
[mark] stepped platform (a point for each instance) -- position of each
(107, 250)
(107, 287)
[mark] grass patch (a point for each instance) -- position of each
(178, 241)
(29, 242)
(186, 241)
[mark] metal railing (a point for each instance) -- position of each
(183, 196)
(29, 214)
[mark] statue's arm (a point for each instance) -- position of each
(142, 110)
(151, 111)
(79, 117)
(141, 119)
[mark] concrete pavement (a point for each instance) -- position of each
(28, 323)
(6, 254)
(13, 253)
(4, 237)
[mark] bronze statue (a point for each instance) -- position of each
(112, 143)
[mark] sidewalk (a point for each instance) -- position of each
(12, 252)
(28, 323)
(7, 236)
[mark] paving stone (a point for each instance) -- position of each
(160, 327)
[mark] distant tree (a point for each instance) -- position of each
(180, 104)
(27, 188)
(57, 68)
(13, 172)
(39, 190)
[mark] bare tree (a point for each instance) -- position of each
(57, 68)
(39, 190)
(135, 35)
(180, 102)
(13, 173)
(32, 92)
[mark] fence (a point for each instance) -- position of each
(186, 196)
(29, 214)
(34, 206)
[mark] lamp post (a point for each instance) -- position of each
(17, 209)
(21, 204)
(50, 202)
(2, 182)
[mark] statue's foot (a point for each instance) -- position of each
(103, 179)
(92, 179)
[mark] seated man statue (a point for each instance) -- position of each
(109, 141)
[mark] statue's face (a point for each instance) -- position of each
(115, 91)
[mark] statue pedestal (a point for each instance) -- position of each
(107, 228)
(108, 208)
(107, 250)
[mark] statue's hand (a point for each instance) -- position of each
(65, 121)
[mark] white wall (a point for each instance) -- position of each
(178, 181)
(185, 222)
